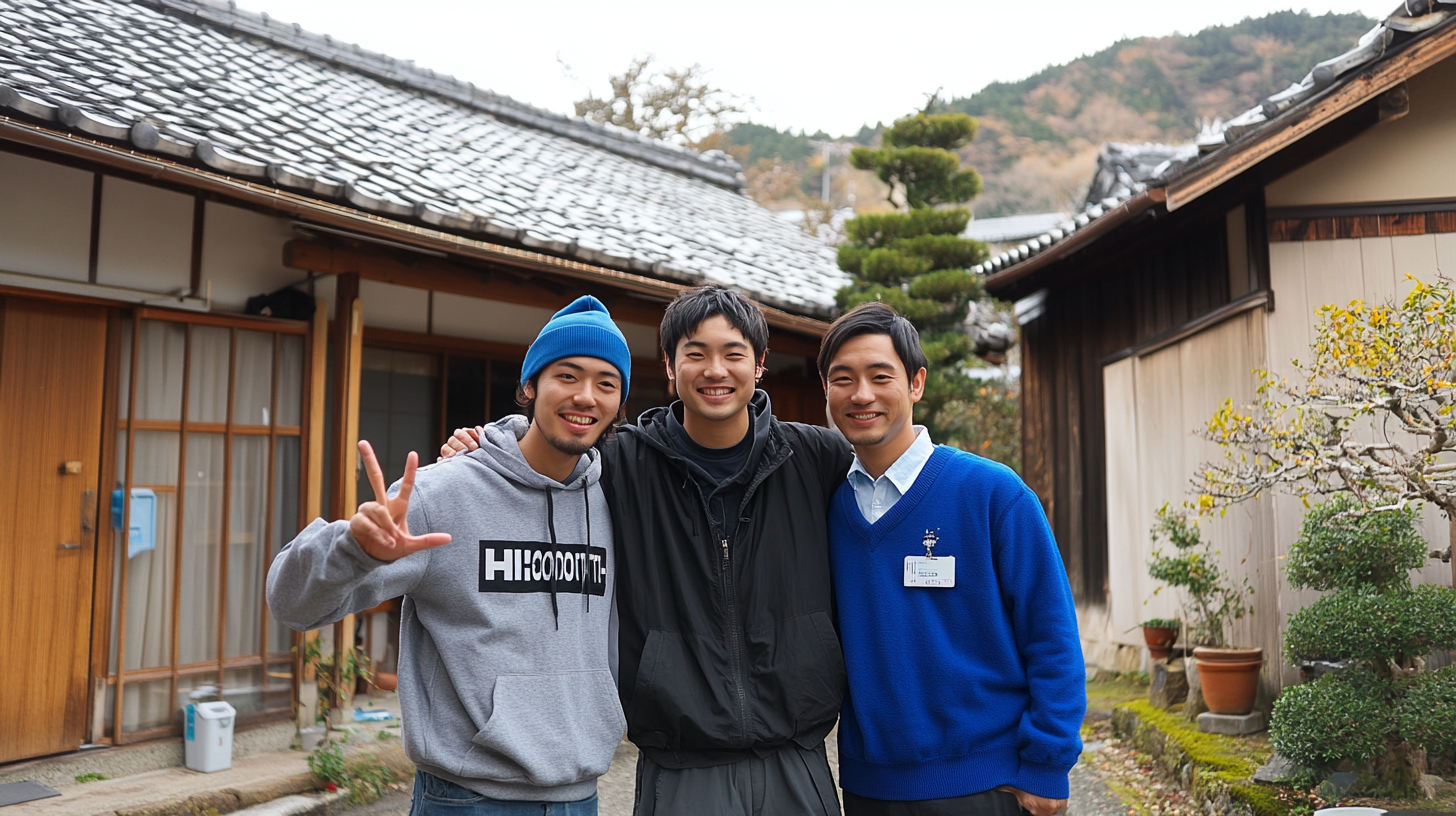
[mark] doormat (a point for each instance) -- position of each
(13, 793)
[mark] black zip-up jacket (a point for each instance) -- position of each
(727, 647)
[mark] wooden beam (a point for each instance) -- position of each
(1311, 116)
(423, 272)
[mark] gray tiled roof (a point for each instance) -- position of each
(201, 82)
(1126, 170)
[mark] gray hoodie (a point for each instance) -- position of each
(507, 656)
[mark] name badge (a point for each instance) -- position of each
(923, 571)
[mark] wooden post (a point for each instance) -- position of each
(348, 351)
(306, 684)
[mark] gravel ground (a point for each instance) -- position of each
(1090, 794)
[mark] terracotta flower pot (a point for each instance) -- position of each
(1229, 678)
(1160, 640)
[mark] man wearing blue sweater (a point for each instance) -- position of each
(966, 681)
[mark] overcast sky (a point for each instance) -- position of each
(802, 65)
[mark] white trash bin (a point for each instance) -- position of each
(209, 737)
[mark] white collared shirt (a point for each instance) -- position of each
(875, 497)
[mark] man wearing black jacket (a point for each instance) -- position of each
(731, 674)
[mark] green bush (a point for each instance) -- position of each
(1427, 712)
(1342, 548)
(1339, 716)
(1364, 624)
(1212, 604)
(1378, 712)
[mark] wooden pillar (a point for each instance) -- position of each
(348, 332)
(306, 683)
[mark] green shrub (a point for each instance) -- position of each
(1211, 603)
(1365, 624)
(1342, 548)
(1427, 713)
(364, 779)
(1339, 716)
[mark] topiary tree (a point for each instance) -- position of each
(916, 260)
(1382, 711)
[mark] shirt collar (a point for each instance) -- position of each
(904, 471)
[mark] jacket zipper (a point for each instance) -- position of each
(730, 596)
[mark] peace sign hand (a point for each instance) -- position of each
(382, 527)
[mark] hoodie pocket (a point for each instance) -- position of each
(548, 729)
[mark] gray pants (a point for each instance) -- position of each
(791, 782)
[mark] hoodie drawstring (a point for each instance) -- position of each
(551, 528)
(586, 496)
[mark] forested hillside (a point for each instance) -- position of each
(1039, 137)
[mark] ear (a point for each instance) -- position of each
(762, 367)
(667, 365)
(528, 390)
(917, 386)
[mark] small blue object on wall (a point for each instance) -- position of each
(143, 533)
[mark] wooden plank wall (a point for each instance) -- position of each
(1156, 404)
(1131, 299)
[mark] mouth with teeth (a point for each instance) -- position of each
(864, 416)
(715, 391)
(578, 420)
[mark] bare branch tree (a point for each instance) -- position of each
(1389, 367)
(676, 105)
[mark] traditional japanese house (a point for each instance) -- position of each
(163, 163)
(1191, 266)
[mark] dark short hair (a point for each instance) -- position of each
(873, 318)
(527, 405)
(692, 306)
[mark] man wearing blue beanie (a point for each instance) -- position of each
(507, 664)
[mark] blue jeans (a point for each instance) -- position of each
(437, 797)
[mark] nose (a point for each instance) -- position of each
(862, 393)
(716, 369)
(583, 395)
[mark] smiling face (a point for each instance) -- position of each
(576, 400)
(714, 371)
(871, 398)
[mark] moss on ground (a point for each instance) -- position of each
(1225, 761)
(1109, 690)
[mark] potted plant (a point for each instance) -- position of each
(1229, 677)
(1160, 634)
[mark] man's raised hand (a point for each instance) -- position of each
(382, 526)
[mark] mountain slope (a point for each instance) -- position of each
(1039, 136)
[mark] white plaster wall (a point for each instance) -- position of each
(479, 319)
(1399, 160)
(242, 255)
(146, 237)
(45, 218)
(641, 340)
(388, 306)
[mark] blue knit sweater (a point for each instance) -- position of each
(956, 691)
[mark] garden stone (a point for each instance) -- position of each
(1433, 786)
(1336, 786)
(1278, 769)
(1169, 683)
(1231, 724)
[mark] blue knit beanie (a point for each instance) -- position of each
(582, 329)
